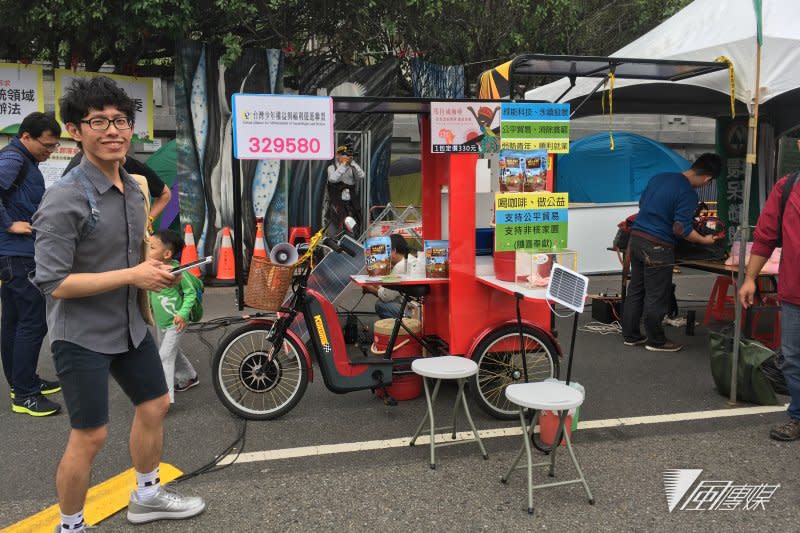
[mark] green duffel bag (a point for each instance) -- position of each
(751, 383)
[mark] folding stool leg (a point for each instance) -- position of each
(469, 418)
(428, 413)
(578, 468)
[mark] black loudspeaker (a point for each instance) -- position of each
(607, 309)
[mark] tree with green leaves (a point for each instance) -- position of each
(139, 36)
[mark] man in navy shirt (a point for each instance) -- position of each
(665, 215)
(23, 307)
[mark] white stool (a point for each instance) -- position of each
(440, 368)
(551, 396)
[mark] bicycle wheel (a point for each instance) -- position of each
(248, 384)
(499, 360)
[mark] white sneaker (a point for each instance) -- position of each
(166, 504)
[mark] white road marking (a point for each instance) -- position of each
(349, 447)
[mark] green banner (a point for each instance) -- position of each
(531, 222)
(535, 130)
(731, 147)
(531, 237)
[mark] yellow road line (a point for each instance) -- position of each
(102, 501)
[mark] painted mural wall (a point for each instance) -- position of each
(284, 193)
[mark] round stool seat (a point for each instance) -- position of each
(547, 395)
(445, 367)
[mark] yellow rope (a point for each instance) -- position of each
(732, 76)
(309, 255)
(610, 83)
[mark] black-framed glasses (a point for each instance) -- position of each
(49, 147)
(102, 123)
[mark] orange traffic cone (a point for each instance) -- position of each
(189, 253)
(226, 269)
(258, 247)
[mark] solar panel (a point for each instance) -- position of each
(567, 288)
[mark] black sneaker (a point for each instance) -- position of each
(45, 387)
(49, 387)
(668, 346)
(36, 405)
(787, 431)
(181, 387)
(638, 341)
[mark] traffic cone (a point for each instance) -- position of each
(189, 253)
(226, 269)
(258, 247)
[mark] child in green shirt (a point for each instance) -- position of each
(171, 307)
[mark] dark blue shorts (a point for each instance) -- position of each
(83, 375)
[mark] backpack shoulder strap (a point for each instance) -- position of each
(80, 176)
(21, 174)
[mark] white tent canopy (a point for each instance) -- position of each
(703, 31)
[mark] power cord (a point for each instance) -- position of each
(239, 441)
(211, 466)
(613, 328)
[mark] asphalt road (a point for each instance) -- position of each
(393, 489)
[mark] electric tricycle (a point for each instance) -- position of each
(261, 370)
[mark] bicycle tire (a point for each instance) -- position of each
(245, 388)
(499, 362)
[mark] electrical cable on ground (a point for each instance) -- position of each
(211, 466)
(239, 441)
(613, 328)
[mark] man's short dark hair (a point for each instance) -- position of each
(37, 124)
(399, 244)
(172, 240)
(84, 94)
(707, 164)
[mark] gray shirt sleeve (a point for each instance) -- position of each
(57, 224)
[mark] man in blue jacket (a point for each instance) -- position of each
(666, 210)
(23, 325)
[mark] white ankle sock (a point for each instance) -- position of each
(147, 485)
(72, 522)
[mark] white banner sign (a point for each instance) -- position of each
(268, 126)
(20, 94)
(139, 89)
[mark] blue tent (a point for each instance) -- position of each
(591, 172)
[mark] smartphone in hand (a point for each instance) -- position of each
(193, 264)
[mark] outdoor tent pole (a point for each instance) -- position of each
(744, 230)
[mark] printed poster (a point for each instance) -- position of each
(57, 163)
(531, 222)
(522, 171)
(140, 89)
(535, 127)
(465, 127)
(21, 94)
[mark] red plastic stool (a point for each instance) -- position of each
(298, 232)
(769, 336)
(720, 305)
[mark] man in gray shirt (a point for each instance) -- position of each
(89, 233)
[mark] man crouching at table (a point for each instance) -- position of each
(665, 215)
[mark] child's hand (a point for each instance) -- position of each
(180, 323)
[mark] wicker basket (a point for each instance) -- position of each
(267, 284)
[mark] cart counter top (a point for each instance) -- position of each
(484, 272)
(405, 279)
